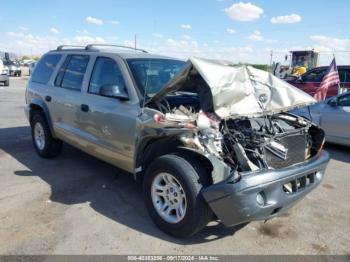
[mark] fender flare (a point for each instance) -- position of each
(219, 170)
(40, 103)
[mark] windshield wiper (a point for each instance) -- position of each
(182, 93)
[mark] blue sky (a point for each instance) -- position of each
(243, 31)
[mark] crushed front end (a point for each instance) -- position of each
(263, 159)
(261, 166)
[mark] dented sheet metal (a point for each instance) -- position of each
(241, 91)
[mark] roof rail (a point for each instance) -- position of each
(62, 47)
(89, 47)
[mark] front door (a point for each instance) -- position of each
(108, 124)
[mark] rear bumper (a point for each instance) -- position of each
(260, 195)
(4, 78)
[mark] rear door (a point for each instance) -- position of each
(108, 124)
(66, 96)
(344, 75)
(335, 120)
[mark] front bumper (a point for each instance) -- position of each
(261, 195)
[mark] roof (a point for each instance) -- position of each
(124, 52)
(304, 51)
(338, 66)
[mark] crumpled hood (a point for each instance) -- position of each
(241, 91)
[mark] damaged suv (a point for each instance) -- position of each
(208, 140)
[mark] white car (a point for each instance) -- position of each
(333, 115)
(4, 74)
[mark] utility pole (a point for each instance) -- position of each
(271, 55)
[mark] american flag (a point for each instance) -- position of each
(330, 79)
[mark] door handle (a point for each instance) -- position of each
(84, 108)
(48, 98)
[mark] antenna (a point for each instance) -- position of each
(135, 42)
(149, 65)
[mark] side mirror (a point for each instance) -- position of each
(333, 103)
(114, 91)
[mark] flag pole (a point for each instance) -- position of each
(339, 88)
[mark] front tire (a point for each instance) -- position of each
(45, 145)
(172, 188)
(7, 83)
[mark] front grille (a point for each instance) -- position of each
(296, 145)
(299, 184)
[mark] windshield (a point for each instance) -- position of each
(151, 75)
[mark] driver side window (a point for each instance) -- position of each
(106, 72)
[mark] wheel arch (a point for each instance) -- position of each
(37, 105)
(169, 145)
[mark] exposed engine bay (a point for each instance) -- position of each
(245, 144)
(238, 115)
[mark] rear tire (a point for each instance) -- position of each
(187, 177)
(45, 145)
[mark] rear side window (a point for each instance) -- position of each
(315, 75)
(45, 68)
(72, 72)
(344, 75)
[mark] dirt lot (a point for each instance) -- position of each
(75, 204)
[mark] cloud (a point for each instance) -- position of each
(157, 35)
(130, 43)
(230, 31)
(23, 28)
(286, 19)
(331, 43)
(244, 12)
(54, 31)
(186, 37)
(36, 44)
(183, 45)
(186, 26)
(28, 43)
(256, 36)
(82, 32)
(115, 22)
(93, 20)
(184, 49)
(14, 34)
(84, 40)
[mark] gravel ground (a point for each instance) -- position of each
(76, 204)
